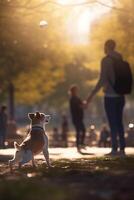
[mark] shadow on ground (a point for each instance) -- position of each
(94, 178)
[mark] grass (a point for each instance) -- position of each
(81, 179)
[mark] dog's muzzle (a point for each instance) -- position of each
(47, 118)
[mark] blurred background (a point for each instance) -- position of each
(45, 46)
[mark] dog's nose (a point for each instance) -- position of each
(47, 118)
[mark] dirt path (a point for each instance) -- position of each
(74, 176)
(68, 153)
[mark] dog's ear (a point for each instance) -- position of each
(31, 115)
(42, 115)
(38, 115)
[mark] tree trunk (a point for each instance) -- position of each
(11, 101)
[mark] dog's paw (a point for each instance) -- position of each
(50, 166)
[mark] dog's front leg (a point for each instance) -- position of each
(45, 152)
(33, 163)
(46, 155)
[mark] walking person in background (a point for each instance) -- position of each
(116, 80)
(56, 137)
(3, 126)
(92, 136)
(77, 113)
(64, 130)
(104, 137)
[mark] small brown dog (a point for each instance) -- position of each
(35, 142)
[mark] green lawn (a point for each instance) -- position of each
(80, 179)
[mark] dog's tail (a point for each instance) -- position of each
(16, 146)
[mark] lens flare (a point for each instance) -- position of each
(43, 23)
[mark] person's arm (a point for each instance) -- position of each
(100, 82)
(95, 90)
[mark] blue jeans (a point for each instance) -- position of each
(114, 111)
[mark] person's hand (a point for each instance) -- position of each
(85, 104)
(89, 99)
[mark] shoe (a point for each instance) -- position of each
(83, 146)
(122, 154)
(113, 153)
(79, 149)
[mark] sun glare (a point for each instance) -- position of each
(81, 19)
(63, 2)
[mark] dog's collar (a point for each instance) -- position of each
(37, 126)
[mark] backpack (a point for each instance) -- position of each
(123, 76)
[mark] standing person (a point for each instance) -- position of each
(130, 135)
(92, 135)
(113, 101)
(77, 113)
(56, 135)
(3, 126)
(104, 136)
(64, 130)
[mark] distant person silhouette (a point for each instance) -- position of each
(64, 130)
(92, 135)
(3, 126)
(56, 137)
(130, 135)
(77, 113)
(113, 101)
(104, 137)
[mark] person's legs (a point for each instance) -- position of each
(77, 128)
(120, 106)
(83, 133)
(2, 140)
(105, 143)
(65, 139)
(110, 108)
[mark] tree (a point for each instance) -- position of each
(77, 71)
(117, 24)
(40, 62)
(29, 54)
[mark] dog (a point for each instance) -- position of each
(35, 142)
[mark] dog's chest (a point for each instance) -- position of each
(37, 136)
(35, 141)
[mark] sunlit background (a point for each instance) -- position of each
(48, 45)
(45, 47)
(81, 19)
